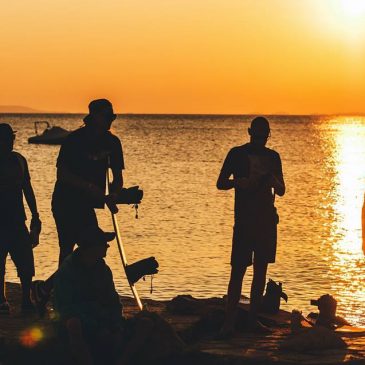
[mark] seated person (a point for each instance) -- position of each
(88, 306)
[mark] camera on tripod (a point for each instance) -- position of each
(132, 195)
(327, 306)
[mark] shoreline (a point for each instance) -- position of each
(194, 320)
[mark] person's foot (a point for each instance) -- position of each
(4, 308)
(40, 296)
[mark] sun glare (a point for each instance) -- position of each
(350, 188)
(345, 19)
(353, 8)
(347, 262)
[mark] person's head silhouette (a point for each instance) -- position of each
(93, 243)
(7, 137)
(101, 115)
(259, 131)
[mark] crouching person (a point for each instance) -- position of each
(88, 308)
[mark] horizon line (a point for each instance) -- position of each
(192, 114)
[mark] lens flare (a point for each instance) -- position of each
(31, 337)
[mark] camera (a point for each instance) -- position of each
(132, 195)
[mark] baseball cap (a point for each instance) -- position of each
(98, 106)
(94, 236)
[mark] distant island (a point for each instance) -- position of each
(19, 109)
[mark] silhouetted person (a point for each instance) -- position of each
(88, 306)
(257, 178)
(14, 236)
(82, 164)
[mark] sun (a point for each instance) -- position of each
(353, 8)
(344, 19)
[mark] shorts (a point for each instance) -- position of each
(15, 240)
(254, 240)
(72, 220)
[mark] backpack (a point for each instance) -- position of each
(271, 300)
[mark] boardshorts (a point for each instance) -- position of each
(71, 220)
(15, 240)
(254, 238)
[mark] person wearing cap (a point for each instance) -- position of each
(87, 306)
(82, 164)
(15, 238)
(255, 173)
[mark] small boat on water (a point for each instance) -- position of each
(50, 135)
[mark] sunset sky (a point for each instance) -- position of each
(184, 56)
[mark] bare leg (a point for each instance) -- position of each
(65, 250)
(26, 282)
(258, 286)
(257, 291)
(233, 297)
(48, 284)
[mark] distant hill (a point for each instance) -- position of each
(18, 109)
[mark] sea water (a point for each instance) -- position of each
(186, 223)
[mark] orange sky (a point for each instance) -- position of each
(184, 56)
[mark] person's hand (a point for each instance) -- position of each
(275, 182)
(35, 229)
(110, 201)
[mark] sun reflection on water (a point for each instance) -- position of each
(350, 186)
(347, 262)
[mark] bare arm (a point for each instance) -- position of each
(35, 223)
(30, 197)
(224, 182)
(277, 179)
(118, 182)
(67, 177)
(115, 186)
(278, 184)
(227, 183)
